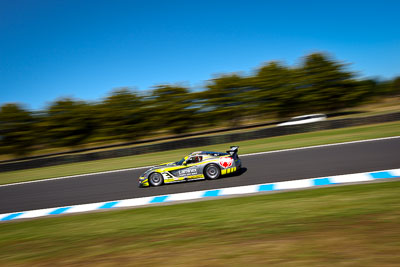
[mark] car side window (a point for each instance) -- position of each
(194, 159)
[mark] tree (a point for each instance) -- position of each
(225, 98)
(170, 107)
(16, 130)
(68, 122)
(122, 116)
(324, 85)
(273, 90)
(394, 87)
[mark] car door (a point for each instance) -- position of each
(192, 168)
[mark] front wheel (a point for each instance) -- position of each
(212, 172)
(156, 179)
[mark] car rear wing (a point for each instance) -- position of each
(233, 151)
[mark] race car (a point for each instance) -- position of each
(196, 166)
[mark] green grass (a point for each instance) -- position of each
(251, 146)
(357, 225)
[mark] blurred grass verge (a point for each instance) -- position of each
(250, 146)
(357, 225)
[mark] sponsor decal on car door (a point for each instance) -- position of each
(187, 172)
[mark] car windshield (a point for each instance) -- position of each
(180, 162)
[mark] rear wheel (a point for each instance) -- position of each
(212, 171)
(156, 179)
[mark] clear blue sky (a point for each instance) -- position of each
(84, 49)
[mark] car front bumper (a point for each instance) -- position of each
(143, 182)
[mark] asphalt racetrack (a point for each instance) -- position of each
(259, 168)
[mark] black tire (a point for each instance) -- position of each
(212, 172)
(156, 179)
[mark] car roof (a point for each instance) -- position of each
(211, 153)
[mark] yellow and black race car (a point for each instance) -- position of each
(195, 166)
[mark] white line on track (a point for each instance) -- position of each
(244, 155)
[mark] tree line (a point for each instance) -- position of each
(275, 90)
